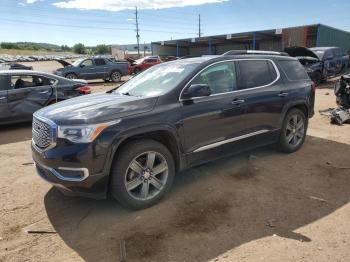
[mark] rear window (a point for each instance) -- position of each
(100, 61)
(294, 70)
(255, 73)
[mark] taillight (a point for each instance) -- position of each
(84, 90)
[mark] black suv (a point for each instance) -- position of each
(132, 140)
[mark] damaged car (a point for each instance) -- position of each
(22, 92)
(320, 62)
(93, 68)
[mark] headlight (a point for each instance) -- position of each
(84, 133)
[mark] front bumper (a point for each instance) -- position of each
(75, 173)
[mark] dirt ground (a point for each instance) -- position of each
(258, 206)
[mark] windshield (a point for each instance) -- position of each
(157, 80)
(77, 62)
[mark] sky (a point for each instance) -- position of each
(93, 22)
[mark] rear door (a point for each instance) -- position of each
(4, 109)
(260, 94)
(28, 94)
(101, 68)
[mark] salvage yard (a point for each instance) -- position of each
(258, 206)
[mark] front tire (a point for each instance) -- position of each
(71, 76)
(293, 131)
(142, 173)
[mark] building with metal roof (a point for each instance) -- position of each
(272, 40)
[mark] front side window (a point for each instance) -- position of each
(4, 82)
(255, 73)
(221, 78)
(87, 62)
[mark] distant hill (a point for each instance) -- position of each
(42, 45)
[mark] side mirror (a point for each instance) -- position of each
(82, 65)
(196, 90)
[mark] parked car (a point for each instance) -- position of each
(320, 62)
(144, 63)
(14, 66)
(22, 92)
(130, 141)
(93, 68)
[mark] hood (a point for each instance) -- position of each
(64, 63)
(96, 108)
(300, 51)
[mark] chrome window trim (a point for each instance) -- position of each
(235, 91)
(223, 142)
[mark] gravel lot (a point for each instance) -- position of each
(258, 206)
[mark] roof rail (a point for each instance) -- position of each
(254, 52)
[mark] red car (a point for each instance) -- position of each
(144, 63)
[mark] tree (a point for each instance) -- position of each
(79, 49)
(102, 49)
(65, 48)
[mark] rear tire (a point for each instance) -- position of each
(116, 76)
(293, 131)
(142, 174)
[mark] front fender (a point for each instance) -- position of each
(140, 131)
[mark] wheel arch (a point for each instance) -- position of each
(301, 105)
(165, 135)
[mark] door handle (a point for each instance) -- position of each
(238, 101)
(283, 94)
(44, 92)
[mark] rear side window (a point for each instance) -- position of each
(100, 62)
(294, 70)
(255, 73)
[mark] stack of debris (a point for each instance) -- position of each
(341, 114)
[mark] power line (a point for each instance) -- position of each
(87, 27)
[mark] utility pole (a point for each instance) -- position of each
(137, 32)
(199, 26)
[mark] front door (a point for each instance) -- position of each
(88, 70)
(213, 120)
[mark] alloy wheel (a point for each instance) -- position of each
(295, 130)
(146, 175)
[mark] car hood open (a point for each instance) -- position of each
(96, 108)
(64, 63)
(300, 51)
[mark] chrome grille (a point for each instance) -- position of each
(42, 134)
